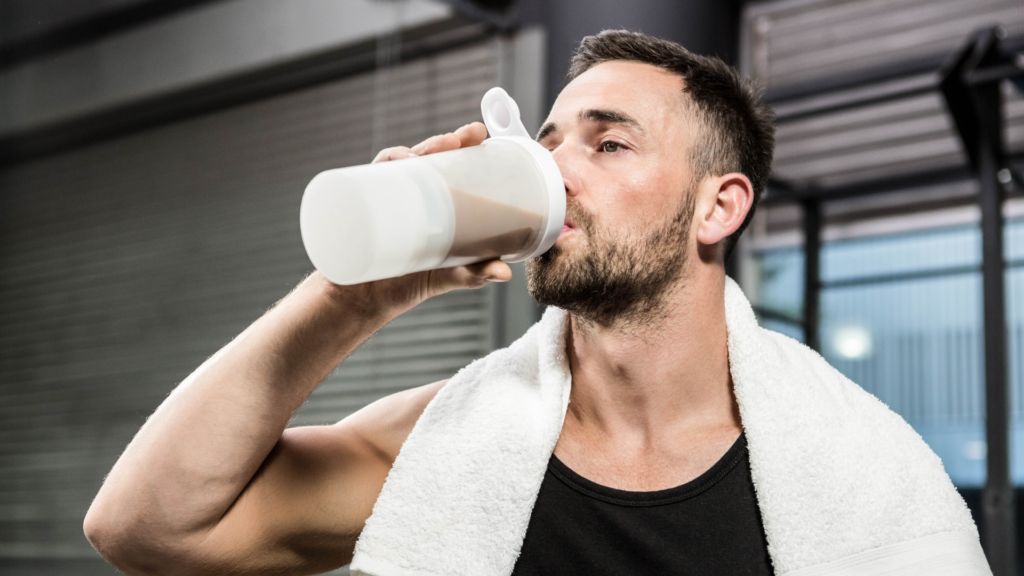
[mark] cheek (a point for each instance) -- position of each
(647, 196)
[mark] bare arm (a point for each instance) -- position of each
(213, 483)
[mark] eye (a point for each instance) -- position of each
(610, 146)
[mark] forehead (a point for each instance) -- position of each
(650, 94)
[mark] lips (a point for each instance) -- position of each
(567, 228)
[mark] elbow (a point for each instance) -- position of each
(94, 528)
(99, 531)
(113, 544)
(123, 546)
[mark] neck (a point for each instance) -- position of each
(631, 387)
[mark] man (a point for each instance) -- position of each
(664, 155)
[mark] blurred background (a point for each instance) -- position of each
(153, 154)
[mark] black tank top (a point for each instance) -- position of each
(708, 526)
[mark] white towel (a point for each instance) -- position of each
(844, 485)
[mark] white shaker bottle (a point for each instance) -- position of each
(504, 198)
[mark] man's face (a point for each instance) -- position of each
(621, 137)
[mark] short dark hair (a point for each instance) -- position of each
(739, 127)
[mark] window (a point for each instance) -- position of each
(901, 315)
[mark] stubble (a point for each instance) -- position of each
(621, 282)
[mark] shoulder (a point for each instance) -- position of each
(384, 425)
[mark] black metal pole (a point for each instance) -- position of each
(974, 98)
(812, 271)
(998, 505)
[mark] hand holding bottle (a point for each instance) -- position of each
(406, 291)
(452, 201)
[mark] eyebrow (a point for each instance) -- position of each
(596, 115)
(610, 117)
(545, 131)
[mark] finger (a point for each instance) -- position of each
(492, 270)
(396, 153)
(439, 143)
(471, 276)
(471, 134)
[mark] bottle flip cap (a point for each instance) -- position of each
(501, 116)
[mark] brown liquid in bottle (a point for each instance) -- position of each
(488, 228)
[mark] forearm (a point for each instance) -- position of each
(197, 452)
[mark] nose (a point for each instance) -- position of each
(567, 166)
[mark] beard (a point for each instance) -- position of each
(614, 281)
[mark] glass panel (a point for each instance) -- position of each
(916, 345)
(781, 281)
(789, 329)
(1014, 240)
(902, 254)
(914, 342)
(781, 290)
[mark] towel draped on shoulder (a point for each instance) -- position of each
(844, 485)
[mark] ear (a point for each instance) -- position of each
(728, 199)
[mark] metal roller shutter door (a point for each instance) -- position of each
(790, 43)
(799, 48)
